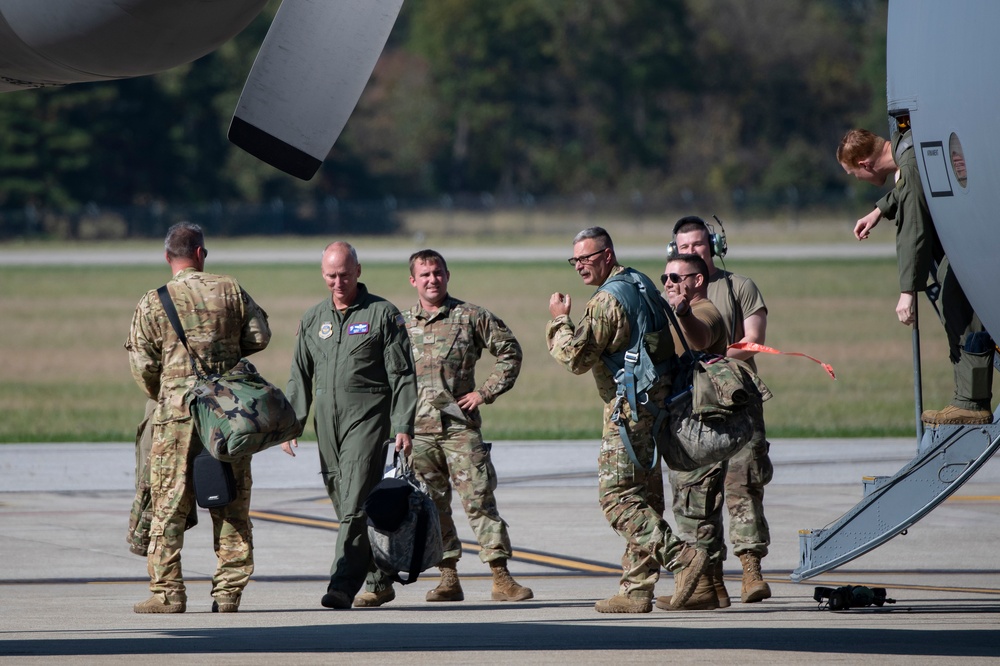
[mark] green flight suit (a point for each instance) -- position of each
(356, 366)
(917, 248)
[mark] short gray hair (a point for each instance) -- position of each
(183, 239)
(595, 233)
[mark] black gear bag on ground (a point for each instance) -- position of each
(403, 525)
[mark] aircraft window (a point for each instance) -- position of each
(957, 160)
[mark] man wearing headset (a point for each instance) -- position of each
(745, 315)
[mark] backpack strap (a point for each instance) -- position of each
(630, 289)
(175, 321)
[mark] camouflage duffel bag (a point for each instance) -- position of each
(403, 525)
(714, 415)
(240, 413)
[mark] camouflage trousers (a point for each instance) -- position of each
(171, 485)
(749, 471)
(459, 460)
(141, 516)
(697, 505)
(632, 501)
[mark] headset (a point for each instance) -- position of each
(717, 244)
(717, 247)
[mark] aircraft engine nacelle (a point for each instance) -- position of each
(55, 42)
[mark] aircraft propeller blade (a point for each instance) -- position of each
(307, 78)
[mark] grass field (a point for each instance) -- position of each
(66, 378)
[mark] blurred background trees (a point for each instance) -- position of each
(733, 102)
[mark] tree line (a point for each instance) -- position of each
(707, 99)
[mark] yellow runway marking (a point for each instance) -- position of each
(525, 556)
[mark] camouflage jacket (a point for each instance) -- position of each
(604, 328)
(222, 324)
(446, 346)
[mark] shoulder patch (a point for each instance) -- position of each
(400, 321)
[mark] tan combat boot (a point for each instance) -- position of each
(721, 593)
(374, 599)
(754, 588)
(690, 565)
(161, 602)
(952, 415)
(639, 601)
(226, 604)
(449, 589)
(709, 591)
(505, 588)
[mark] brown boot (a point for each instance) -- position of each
(449, 589)
(721, 593)
(374, 599)
(690, 565)
(161, 603)
(952, 415)
(633, 602)
(754, 588)
(505, 588)
(226, 604)
(708, 594)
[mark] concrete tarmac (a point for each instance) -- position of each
(68, 582)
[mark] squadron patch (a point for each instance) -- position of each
(359, 328)
(325, 330)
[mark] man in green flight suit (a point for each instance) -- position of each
(448, 337)
(222, 323)
(630, 495)
(352, 358)
(871, 158)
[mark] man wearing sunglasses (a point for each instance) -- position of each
(745, 315)
(631, 495)
(697, 494)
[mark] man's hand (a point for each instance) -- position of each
(864, 226)
(559, 304)
(470, 401)
(905, 308)
(404, 443)
(678, 302)
(289, 445)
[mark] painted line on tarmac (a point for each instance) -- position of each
(571, 564)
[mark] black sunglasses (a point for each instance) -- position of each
(676, 278)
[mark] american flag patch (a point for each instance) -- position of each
(358, 329)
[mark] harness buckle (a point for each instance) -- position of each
(632, 357)
(616, 410)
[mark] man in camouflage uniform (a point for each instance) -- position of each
(871, 158)
(631, 496)
(698, 494)
(745, 315)
(222, 324)
(352, 359)
(448, 337)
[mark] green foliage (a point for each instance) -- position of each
(544, 97)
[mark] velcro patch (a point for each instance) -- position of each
(358, 329)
